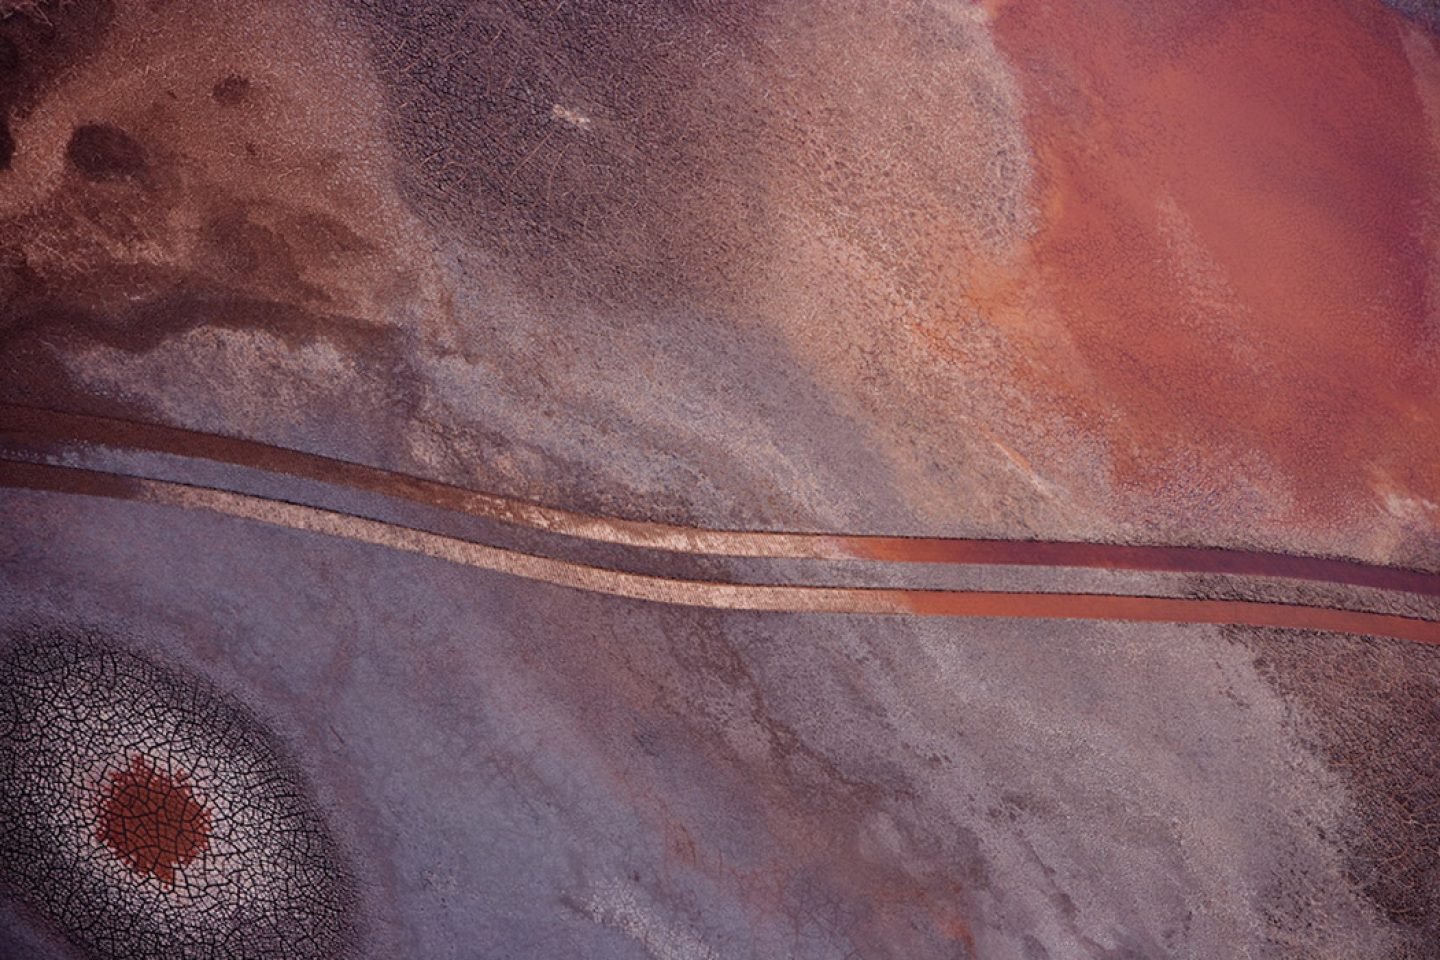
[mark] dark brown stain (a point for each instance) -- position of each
(1371, 708)
(236, 249)
(324, 239)
(9, 58)
(211, 239)
(36, 51)
(40, 326)
(103, 153)
(9, 63)
(233, 245)
(140, 328)
(231, 91)
(243, 273)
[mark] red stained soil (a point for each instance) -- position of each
(1131, 609)
(1156, 559)
(1289, 321)
(152, 821)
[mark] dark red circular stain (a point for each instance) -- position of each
(152, 821)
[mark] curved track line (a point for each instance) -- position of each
(720, 596)
(55, 426)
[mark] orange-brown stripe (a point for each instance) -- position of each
(714, 595)
(18, 420)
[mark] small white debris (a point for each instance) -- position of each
(573, 117)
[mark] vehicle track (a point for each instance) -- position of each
(800, 598)
(18, 421)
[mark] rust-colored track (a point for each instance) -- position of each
(58, 427)
(771, 597)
